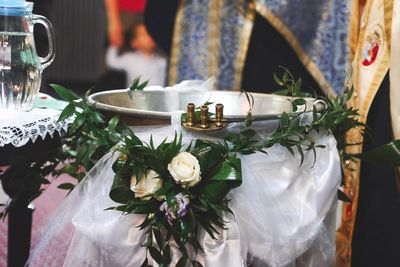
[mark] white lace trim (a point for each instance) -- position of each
(18, 128)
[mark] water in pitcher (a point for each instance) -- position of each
(20, 71)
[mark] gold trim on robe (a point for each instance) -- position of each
(173, 62)
(216, 11)
(354, 28)
(214, 22)
(395, 71)
(370, 65)
(244, 45)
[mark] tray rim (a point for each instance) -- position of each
(167, 114)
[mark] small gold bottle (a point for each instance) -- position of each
(190, 115)
(204, 117)
(219, 114)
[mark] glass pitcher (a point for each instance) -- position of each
(20, 66)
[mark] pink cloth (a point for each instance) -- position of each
(44, 205)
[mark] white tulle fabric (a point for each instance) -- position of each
(284, 213)
(19, 127)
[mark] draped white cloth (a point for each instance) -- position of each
(284, 213)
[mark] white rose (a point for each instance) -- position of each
(185, 169)
(147, 186)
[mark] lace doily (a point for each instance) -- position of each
(18, 127)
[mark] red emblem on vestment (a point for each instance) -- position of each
(348, 210)
(371, 48)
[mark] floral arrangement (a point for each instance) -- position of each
(178, 190)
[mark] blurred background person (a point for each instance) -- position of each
(121, 15)
(140, 60)
(123, 63)
(82, 32)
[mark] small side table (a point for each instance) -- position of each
(27, 141)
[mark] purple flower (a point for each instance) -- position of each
(179, 208)
(182, 203)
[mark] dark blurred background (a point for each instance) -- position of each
(81, 39)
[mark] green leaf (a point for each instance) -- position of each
(230, 170)
(249, 120)
(166, 257)
(165, 189)
(299, 148)
(208, 154)
(149, 240)
(64, 93)
(132, 140)
(297, 86)
(196, 264)
(155, 254)
(113, 123)
(98, 118)
(146, 209)
(282, 92)
(182, 262)
(135, 83)
(290, 149)
(299, 102)
(145, 262)
(137, 86)
(145, 223)
(388, 154)
(348, 94)
(142, 86)
(285, 77)
(71, 153)
(151, 142)
(315, 113)
(80, 119)
(294, 107)
(343, 197)
(67, 112)
(228, 176)
(120, 191)
(66, 186)
(185, 228)
(159, 239)
(278, 80)
(284, 119)
(248, 133)
(250, 99)
(44, 181)
(222, 207)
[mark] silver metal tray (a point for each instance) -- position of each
(158, 105)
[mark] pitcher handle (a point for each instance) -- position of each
(46, 61)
